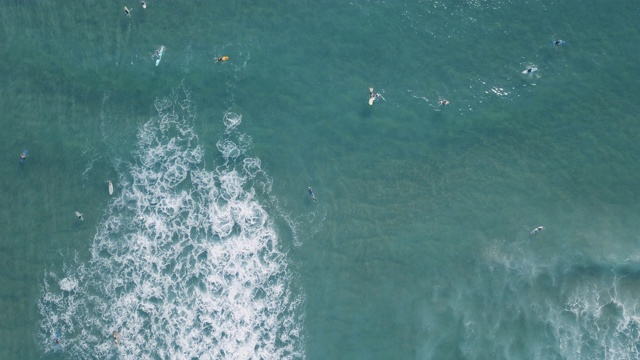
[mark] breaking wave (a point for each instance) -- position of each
(186, 262)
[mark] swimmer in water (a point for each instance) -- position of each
(222, 58)
(116, 337)
(559, 42)
(24, 155)
(127, 12)
(443, 102)
(313, 196)
(537, 230)
(143, 4)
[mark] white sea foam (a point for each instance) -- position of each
(231, 120)
(187, 262)
(68, 284)
(585, 308)
(600, 318)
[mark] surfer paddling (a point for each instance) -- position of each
(537, 230)
(443, 102)
(79, 216)
(143, 4)
(311, 194)
(127, 12)
(222, 58)
(530, 70)
(373, 96)
(157, 55)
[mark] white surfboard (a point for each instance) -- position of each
(537, 230)
(371, 100)
(159, 56)
(110, 187)
(530, 70)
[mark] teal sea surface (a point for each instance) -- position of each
(419, 243)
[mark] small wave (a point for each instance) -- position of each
(586, 308)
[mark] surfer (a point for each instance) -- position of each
(530, 70)
(443, 102)
(144, 4)
(222, 58)
(24, 155)
(559, 42)
(373, 96)
(313, 196)
(57, 341)
(127, 12)
(537, 230)
(116, 337)
(157, 55)
(79, 216)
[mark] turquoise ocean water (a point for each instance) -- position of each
(418, 246)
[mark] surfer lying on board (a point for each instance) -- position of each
(443, 102)
(537, 230)
(373, 96)
(313, 196)
(156, 54)
(222, 58)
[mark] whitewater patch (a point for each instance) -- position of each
(575, 306)
(186, 263)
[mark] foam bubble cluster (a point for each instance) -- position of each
(600, 318)
(580, 307)
(187, 262)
